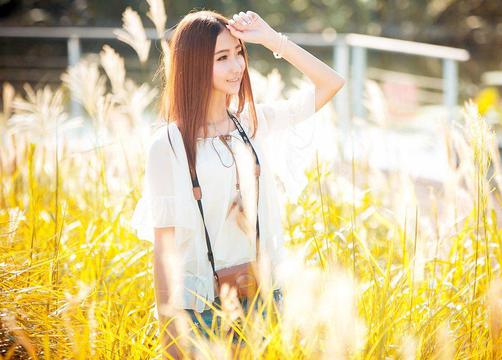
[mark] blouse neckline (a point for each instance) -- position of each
(211, 137)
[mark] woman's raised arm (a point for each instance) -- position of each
(250, 27)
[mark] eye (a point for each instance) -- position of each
(241, 52)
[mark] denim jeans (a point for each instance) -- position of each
(208, 315)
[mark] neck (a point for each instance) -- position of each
(217, 111)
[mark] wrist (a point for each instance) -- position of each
(281, 48)
(273, 42)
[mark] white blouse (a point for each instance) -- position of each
(167, 199)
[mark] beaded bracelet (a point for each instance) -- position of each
(282, 46)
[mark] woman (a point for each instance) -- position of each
(203, 149)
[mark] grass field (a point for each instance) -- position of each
(377, 274)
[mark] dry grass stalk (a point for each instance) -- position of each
(133, 34)
(136, 101)
(157, 14)
(130, 101)
(114, 67)
(86, 84)
(41, 116)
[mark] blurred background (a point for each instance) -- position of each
(410, 64)
(473, 25)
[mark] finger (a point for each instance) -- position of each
(254, 16)
(238, 19)
(245, 18)
(236, 22)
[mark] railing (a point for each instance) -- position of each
(361, 43)
(349, 58)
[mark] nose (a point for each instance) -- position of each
(238, 65)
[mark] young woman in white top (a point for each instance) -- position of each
(207, 73)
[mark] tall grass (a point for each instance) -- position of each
(374, 273)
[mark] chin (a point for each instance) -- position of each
(229, 89)
(232, 91)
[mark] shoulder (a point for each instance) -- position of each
(294, 97)
(245, 115)
(299, 102)
(162, 138)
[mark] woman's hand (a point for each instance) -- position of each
(250, 27)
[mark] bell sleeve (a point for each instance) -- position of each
(159, 206)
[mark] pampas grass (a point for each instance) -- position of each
(40, 114)
(86, 83)
(370, 272)
(133, 34)
(412, 294)
(113, 64)
(157, 14)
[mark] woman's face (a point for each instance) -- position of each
(228, 65)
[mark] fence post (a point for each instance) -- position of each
(358, 76)
(73, 59)
(450, 87)
(341, 56)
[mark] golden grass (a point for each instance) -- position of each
(77, 283)
(377, 274)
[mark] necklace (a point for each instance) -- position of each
(223, 139)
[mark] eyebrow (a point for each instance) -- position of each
(226, 49)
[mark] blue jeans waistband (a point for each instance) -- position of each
(207, 315)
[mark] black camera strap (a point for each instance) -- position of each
(197, 192)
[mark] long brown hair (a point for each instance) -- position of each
(187, 90)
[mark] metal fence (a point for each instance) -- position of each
(349, 58)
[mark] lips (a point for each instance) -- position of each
(235, 80)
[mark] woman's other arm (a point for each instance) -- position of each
(326, 80)
(163, 252)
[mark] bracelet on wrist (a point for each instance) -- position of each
(282, 46)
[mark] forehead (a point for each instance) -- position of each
(225, 41)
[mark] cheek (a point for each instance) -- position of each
(218, 72)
